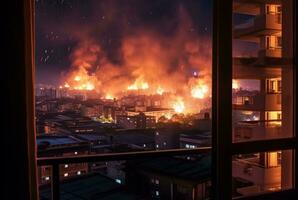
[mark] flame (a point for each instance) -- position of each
(89, 86)
(176, 68)
(199, 91)
(81, 80)
(168, 115)
(160, 90)
(108, 96)
(66, 85)
(179, 106)
(235, 84)
(77, 78)
(139, 84)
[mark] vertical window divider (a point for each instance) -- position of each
(222, 100)
(295, 96)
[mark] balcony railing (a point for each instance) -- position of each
(260, 25)
(268, 101)
(54, 162)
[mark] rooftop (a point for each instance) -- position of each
(94, 186)
(178, 168)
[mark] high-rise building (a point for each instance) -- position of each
(258, 114)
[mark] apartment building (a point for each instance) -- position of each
(258, 114)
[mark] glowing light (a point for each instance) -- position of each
(77, 78)
(199, 91)
(139, 84)
(235, 84)
(132, 87)
(108, 96)
(89, 86)
(144, 86)
(168, 115)
(160, 90)
(66, 85)
(179, 106)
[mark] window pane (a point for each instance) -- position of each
(123, 75)
(175, 177)
(262, 172)
(262, 70)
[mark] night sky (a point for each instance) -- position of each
(62, 24)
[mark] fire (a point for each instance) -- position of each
(139, 84)
(199, 88)
(108, 96)
(235, 84)
(81, 80)
(179, 106)
(66, 85)
(173, 70)
(199, 91)
(77, 78)
(89, 86)
(160, 90)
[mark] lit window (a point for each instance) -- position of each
(66, 166)
(47, 178)
(66, 175)
(79, 173)
(157, 193)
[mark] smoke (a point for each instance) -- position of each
(147, 60)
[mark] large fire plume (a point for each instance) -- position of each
(176, 66)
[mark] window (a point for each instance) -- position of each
(118, 78)
(228, 150)
(258, 170)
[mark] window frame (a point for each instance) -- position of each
(222, 147)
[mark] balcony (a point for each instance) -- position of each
(263, 179)
(256, 130)
(267, 101)
(271, 53)
(251, 7)
(268, 24)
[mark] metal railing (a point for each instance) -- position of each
(54, 162)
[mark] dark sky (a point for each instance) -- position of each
(62, 24)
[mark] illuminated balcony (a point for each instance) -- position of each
(267, 24)
(258, 102)
(251, 7)
(263, 179)
(271, 53)
(256, 130)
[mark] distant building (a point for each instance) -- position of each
(133, 139)
(167, 178)
(150, 111)
(136, 121)
(91, 186)
(195, 139)
(49, 146)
